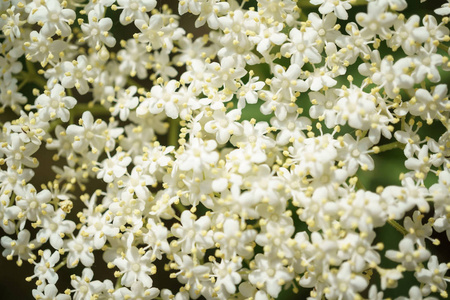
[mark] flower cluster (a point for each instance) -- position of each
(233, 159)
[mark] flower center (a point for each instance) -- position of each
(300, 47)
(54, 103)
(134, 6)
(54, 17)
(236, 28)
(89, 135)
(78, 247)
(33, 204)
(136, 267)
(84, 289)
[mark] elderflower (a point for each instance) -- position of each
(211, 149)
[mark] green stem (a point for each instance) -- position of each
(118, 283)
(173, 132)
(398, 227)
(388, 147)
(180, 207)
(443, 47)
(60, 265)
(22, 84)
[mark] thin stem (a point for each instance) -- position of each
(443, 47)
(398, 227)
(388, 147)
(60, 265)
(174, 125)
(22, 84)
(118, 283)
(180, 207)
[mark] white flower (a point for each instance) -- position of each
(226, 274)
(135, 10)
(113, 167)
(99, 227)
(208, 11)
(443, 10)
(156, 239)
(376, 21)
(85, 287)
(162, 66)
(193, 235)
(408, 255)
(408, 35)
(418, 231)
(127, 210)
(50, 292)
(155, 34)
(427, 64)
(79, 249)
(77, 74)
(392, 76)
(347, 283)
(53, 228)
(248, 92)
(355, 152)
(44, 269)
(55, 104)
(30, 127)
(22, 247)
(433, 276)
(290, 128)
(96, 32)
(133, 59)
(137, 291)
(224, 125)
(197, 155)
(10, 96)
(430, 105)
(34, 205)
(90, 133)
(53, 18)
(195, 276)
(226, 73)
(302, 47)
(163, 98)
(269, 274)
(8, 213)
(339, 7)
(233, 241)
(18, 153)
(135, 265)
(11, 24)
